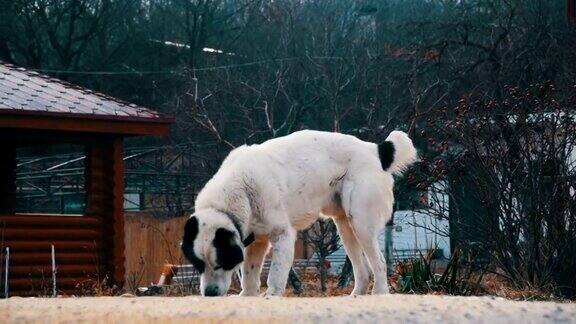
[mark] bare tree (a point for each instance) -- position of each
(323, 238)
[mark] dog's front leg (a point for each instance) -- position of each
(252, 267)
(282, 258)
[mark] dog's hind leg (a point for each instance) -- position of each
(354, 252)
(368, 238)
(252, 267)
(369, 207)
(282, 259)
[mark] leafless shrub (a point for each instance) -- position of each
(323, 238)
(510, 163)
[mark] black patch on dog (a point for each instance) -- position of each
(228, 253)
(386, 152)
(190, 233)
(246, 241)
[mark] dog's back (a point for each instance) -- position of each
(327, 149)
(304, 171)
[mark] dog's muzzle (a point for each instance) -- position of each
(211, 291)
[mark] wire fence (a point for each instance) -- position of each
(163, 179)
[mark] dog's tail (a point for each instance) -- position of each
(397, 152)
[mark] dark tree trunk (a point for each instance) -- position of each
(346, 275)
(295, 282)
(389, 245)
(5, 51)
(323, 274)
(6, 17)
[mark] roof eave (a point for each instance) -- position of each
(120, 125)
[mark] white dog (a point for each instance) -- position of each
(263, 194)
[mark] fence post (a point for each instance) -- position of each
(6, 273)
(53, 272)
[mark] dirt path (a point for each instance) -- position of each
(370, 309)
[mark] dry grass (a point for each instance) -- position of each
(491, 285)
(311, 285)
(495, 285)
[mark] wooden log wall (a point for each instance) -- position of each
(78, 245)
(105, 201)
(89, 248)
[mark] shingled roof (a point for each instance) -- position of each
(26, 94)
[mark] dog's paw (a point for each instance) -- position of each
(245, 293)
(273, 293)
(384, 290)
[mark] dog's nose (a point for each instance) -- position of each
(211, 291)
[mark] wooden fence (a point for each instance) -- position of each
(150, 242)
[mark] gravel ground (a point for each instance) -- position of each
(369, 309)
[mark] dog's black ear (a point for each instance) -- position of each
(190, 234)
(228, 253)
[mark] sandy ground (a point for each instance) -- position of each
(368, 309)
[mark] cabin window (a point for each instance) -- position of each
(50, 179)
